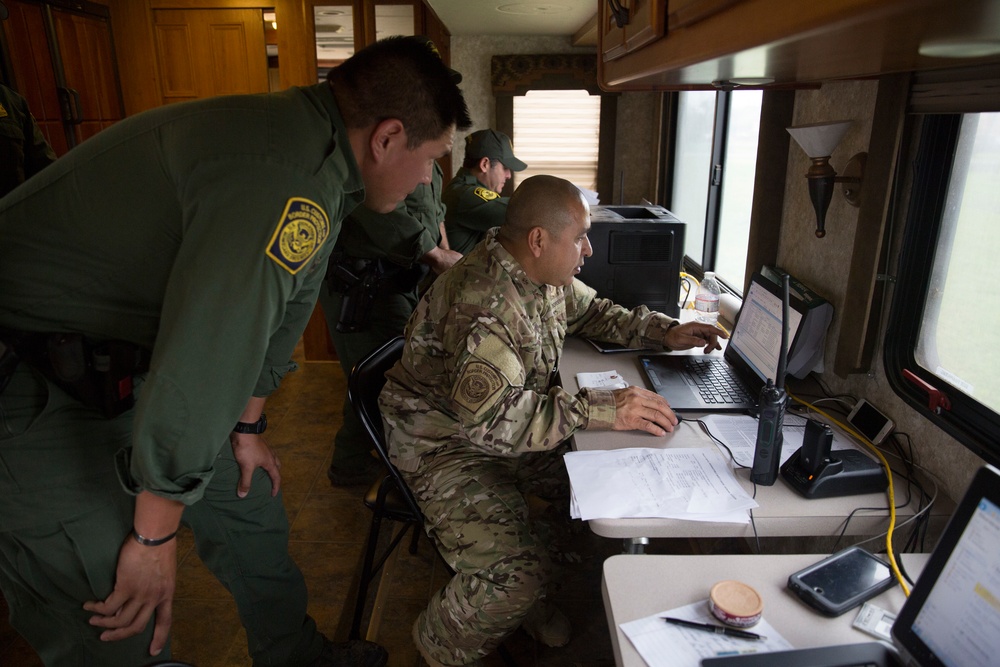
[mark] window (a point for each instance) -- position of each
(713, 177)
(944, 328)
(563, 144)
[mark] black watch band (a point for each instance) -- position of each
(258, 426)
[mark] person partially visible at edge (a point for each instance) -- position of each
(175, 258)
(378, 266)
(23, 149)
(473, 197)
(476, 420)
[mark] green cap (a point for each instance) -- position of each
(494, 145)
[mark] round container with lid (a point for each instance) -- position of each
(735, 603)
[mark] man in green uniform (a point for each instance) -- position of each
(376, 267)
(176, 256)
(473, 196)
(23, 149)
(474, 414)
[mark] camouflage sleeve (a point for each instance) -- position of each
(602, 319)
(498, 414)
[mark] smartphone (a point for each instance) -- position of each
(842, 581)
(869, 422)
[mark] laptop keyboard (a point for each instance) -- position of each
(717, 384)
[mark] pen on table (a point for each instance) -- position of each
(717, 629)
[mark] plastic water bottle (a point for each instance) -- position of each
(706, 301)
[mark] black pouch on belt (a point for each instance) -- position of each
(99, 375)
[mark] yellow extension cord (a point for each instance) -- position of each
(889, 491)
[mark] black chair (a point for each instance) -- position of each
(389, 497)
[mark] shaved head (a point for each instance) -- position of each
(544, 201)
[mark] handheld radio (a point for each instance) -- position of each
(771, 415)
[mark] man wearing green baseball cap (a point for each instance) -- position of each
(473, 196)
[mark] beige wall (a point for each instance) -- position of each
(823, 264)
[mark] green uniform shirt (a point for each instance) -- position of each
(473, 209)
(200, 231)
(23, 149)
(482, 350)
(402, 236)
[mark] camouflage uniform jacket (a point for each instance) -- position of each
(481, 358)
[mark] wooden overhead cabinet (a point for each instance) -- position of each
(719, 43)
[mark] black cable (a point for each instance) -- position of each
(732, 457)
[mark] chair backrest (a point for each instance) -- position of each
(363, 387)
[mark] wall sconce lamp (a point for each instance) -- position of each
(818, 140)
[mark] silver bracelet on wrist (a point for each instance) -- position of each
(147, 542)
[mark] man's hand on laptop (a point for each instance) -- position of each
(694, 334)
(637, 409)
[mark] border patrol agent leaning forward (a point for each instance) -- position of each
(372, 288)
(23, 149)
(191, 240)
(473, 196)
(474, 417)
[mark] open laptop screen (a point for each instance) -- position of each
(756, 338)
(952, 616)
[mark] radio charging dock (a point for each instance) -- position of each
(814, 471)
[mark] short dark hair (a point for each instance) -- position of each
(400, 77)
(541, 201)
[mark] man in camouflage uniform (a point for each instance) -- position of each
(400, 247)
(474, 416)
(473, 196)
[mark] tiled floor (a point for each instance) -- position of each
(328, 529)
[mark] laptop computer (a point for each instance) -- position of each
(952, 616)
(704, 383)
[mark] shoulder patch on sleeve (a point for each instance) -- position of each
(300, 232)
(492, 368)
(485, 194)
(478, 386)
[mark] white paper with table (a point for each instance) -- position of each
(664, 645)
(679, 483)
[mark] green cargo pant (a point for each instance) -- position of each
(476, 513)
(64, 515)
(388, 318)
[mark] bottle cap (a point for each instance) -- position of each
(735, 603)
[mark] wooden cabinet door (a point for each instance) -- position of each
(646, 22)
(686, 12)
(63, 64)
(32, 68)
(611, 37)
(92, 94)
(209, 52)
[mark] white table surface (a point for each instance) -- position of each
(782, 511)
(636, 586)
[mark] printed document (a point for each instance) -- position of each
(664, 645)
(680, 483)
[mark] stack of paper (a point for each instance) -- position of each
(681, 483)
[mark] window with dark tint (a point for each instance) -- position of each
(942, 349)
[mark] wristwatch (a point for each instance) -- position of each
(258, 426)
